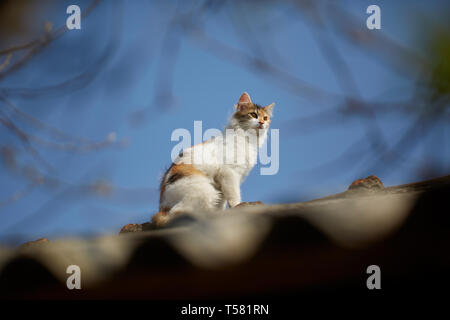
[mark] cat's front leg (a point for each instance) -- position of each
(230, 183)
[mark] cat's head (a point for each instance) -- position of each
(249, 115)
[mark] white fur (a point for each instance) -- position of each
(221, 183)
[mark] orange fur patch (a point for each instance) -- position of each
(184, 170)
(261, 114)
(174, 173)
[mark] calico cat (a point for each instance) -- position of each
(202, 177)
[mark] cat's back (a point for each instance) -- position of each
(203, 156)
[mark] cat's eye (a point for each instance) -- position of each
(253, 114)
(265, 118)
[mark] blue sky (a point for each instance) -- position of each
(204, 87)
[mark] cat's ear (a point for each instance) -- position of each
(269, 108)
(244, 102)
(245, 98)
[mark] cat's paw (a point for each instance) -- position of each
(245, 204)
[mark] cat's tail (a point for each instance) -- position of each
(160, 218)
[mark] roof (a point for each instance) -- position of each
(258, 250)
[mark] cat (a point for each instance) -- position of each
(201, 178)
